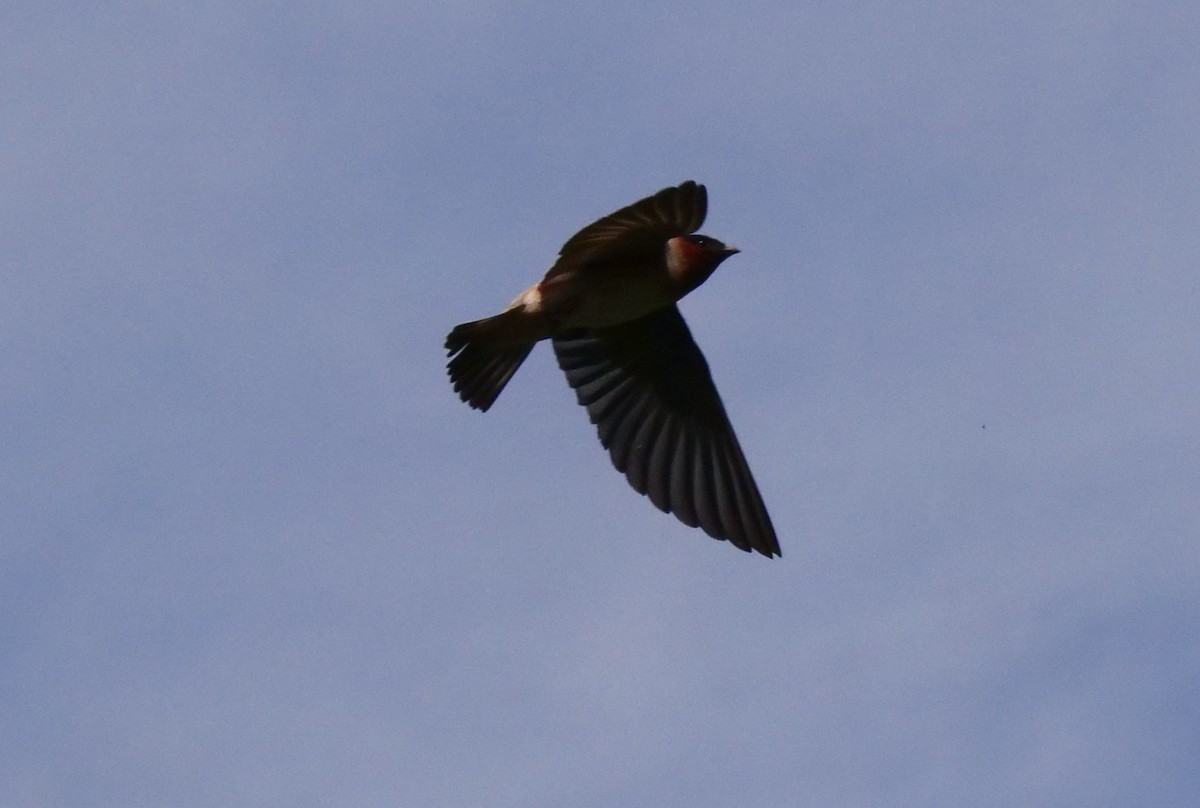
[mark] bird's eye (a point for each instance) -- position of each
(706, 243)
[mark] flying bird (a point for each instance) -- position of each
(608, 307)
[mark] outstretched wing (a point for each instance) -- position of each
(648, 390)
(644, 225)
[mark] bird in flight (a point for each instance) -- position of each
(608, 307)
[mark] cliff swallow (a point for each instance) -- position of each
(608, 307)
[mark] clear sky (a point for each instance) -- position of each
(255, 552)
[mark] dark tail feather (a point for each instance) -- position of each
(484, 355)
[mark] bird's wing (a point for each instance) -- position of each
(648, 223)
(647, 388)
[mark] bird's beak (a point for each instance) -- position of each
(730, 250)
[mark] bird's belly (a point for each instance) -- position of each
(608, 301)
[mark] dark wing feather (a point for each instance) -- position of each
(646, 224)
(648, 390)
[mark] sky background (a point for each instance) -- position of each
(255, 552)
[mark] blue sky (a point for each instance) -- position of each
(257, 553)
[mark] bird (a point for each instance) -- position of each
(608, 306)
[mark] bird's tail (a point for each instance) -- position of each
(485, 354)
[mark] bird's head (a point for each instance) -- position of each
(692, 258)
